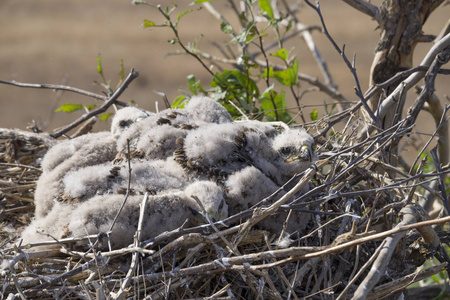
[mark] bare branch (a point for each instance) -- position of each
(57, 87)
(347, 62)
(383, 259)
(401, 283)
(408, 83)
(137, 239)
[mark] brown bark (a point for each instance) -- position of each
(401, 30)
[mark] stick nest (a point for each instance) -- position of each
(365, 217)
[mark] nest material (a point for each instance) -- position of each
(363, 221)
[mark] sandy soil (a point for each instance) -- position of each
(57, 42)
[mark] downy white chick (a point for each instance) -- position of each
(211, 197)
(247, 187)
(215, 151)
(148, 176)
(202, 108)
(296, 154)
(69, 155)
(163, 212)
(125, 118)
(84, 151)
(155, 137)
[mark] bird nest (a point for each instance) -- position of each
(365, 231)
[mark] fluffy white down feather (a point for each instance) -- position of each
(152, 176)
(207, 110)
(125, 118)
(164, 212)
(211, 197)
(156, 135)
(248, 187)
(68, 156)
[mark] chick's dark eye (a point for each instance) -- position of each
(285, 150)
(123, 124)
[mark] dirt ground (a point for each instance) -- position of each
(57, 42)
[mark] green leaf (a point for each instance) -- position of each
(99, 64)
(288, 77)
(281, 53)
(70, 107)
(226, 28)
(192, 81)
(148, 23)
(105, 116)
(313, 115)
(180, 15)
(201, 1)
(274, 105)
(247, 35)
(266, 8)
(179, 102)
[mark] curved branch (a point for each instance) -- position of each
(366, 8)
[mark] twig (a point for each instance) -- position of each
(57, 87)
(351, 66)
(134, 261)
(128, 187)
(435, 108)
(361, 271)
(290, 254)
(386, 252)
(401, 283)
(437, 165)
(439, 60)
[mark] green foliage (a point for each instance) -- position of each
(105, 117)
(313, 115)
(429, 165)
(148, 23)
(274, 106)
(238, 88)
(266, 8)
(70, 107)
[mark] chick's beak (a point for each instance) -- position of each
(304, 155)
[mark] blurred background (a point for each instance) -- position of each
(57, 42)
